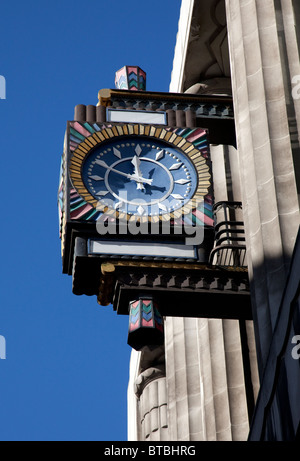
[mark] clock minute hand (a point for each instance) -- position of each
(127, 175)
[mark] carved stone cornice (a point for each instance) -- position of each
(204, 292)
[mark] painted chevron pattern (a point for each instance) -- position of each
(130, 78)
(142, 82)
(79, 208)
(144, 314)
(158, 320)
(145, 324)
(136, 82)
(147, 313)
(122, 84)
(134, 316)
(121, 79)
(203, 215)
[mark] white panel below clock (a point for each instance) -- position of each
(136, 116)
(163, 250)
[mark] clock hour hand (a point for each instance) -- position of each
(127, 175)
(137, 171)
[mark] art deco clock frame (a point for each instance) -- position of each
(124, 166)
(161, 173)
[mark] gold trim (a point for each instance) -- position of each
(104, 96)
(115, 131)
(152, 131)
(158, 132)
(163, 134)
(181, 144)
(130, 129)
(172, 138)
(174, 265)
(93, 140)
(120, 130)
(100, 136)
(110, 133)
(105, 134)
(168, 136)
(161, 265)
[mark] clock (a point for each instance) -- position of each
(140, 177)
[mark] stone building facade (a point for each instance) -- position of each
(203, 383)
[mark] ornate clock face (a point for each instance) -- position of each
(140, 176)
(140, 171)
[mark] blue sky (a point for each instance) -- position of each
(67, 360)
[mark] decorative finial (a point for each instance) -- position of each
(131, 78)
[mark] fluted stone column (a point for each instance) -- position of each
(147, 396)
(288, 25)
(204, 369)
(205, 383)
(153, 410)
(227, 186)
(204, 358)
(269, 194)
